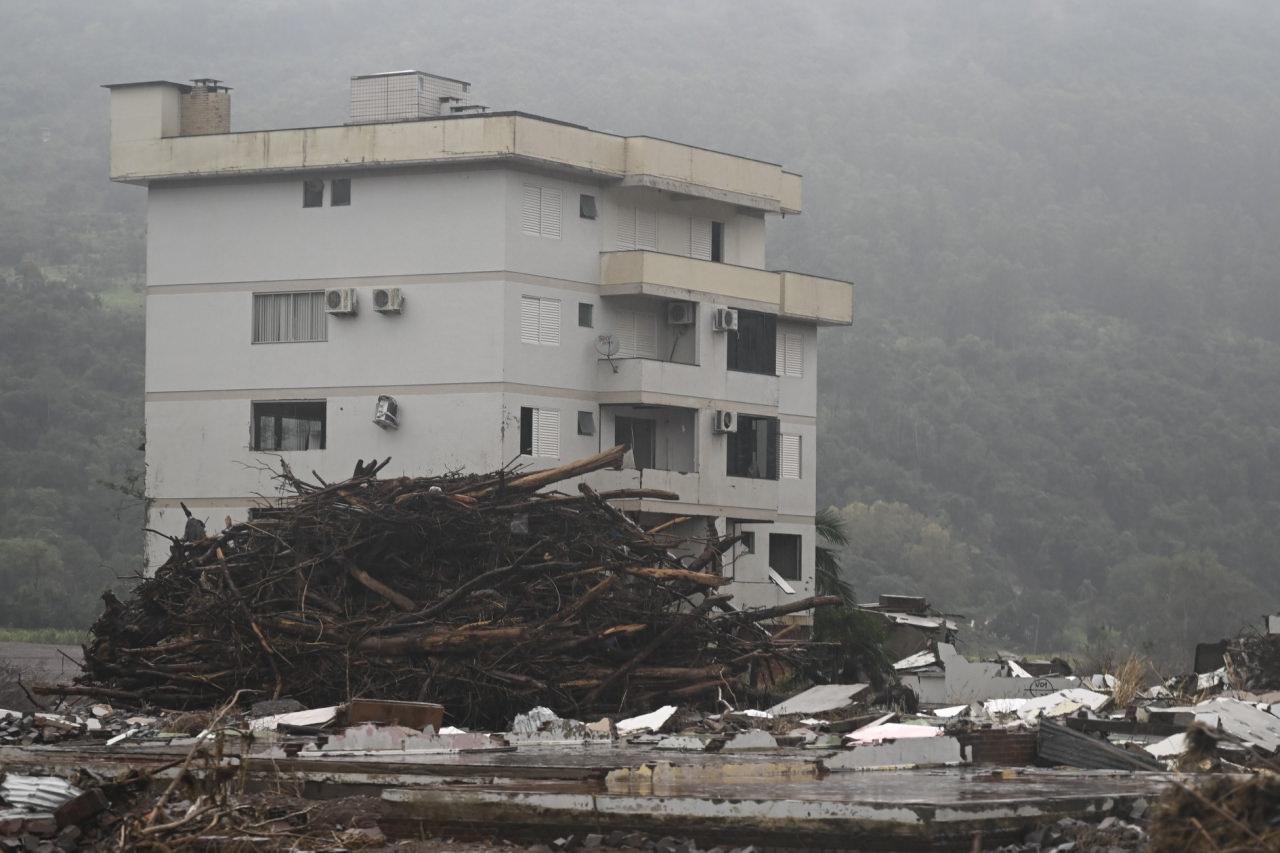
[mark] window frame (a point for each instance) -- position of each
(586, 310)
(760, 331)
(282, 410)
(312, 192)
(548, 202)
(261, 298)
(530, 419)
(345, 183)
(587, 207)
(737, 452)
(649, 429)
(793, 542)
(548, 327)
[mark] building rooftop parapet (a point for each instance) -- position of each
(145, 148)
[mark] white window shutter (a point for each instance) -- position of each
(789, 457)
(646, 334)
(700, 238)
(546, 433)
(780, 354)
(550, 211)
(626, 237)
(647, 229)
(531, 210)
(794, 355)
(624, 333)
(549, 322)
(529, 319)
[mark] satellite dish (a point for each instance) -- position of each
(607, 346)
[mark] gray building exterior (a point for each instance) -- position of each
(521, 288)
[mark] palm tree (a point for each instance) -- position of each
(859, 635)
(832, 537)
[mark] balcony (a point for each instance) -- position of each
(796, 296)
(630, 379)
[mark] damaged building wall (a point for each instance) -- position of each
(961, 681)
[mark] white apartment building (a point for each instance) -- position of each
(461, 289)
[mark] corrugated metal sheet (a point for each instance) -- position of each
(1058, 744)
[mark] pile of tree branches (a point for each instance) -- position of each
(480, 592)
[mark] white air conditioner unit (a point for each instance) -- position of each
(387, 300)
(387, 413)
(679, 313)
(340, 300)
(725, 422)
(724, 320)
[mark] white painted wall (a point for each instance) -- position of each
(399, 223)
(200, 341)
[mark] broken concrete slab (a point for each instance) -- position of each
(1247, 722)
(919, 660)
(820, 699)
(892, 731)
(898, 754)
(370, 738)
(543, 726)
(650, 722)
(1063, 702)
(682, 743)
(1170, 747)
(313, 717)
(750, 740)
(961, 681)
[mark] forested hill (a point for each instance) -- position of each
(1059, 408)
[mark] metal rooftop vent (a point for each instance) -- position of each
(405, 96)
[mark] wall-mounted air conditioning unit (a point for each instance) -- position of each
(387, 413)
(725, 422)
(387, 300)
(340, 301)
(680, 313)
(724, 320)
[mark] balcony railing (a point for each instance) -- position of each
(794, 295)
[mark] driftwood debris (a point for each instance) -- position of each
(479, 592)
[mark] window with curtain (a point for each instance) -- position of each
(294, 317)
(289, 425)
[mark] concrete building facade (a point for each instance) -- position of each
(516, 290)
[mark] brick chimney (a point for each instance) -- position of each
(206, 108)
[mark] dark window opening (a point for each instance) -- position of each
(748, 541)
(640, 434)
(717, 241)
(753, 347)
(340, 192)
(313, 192)
(289, 426)
(586, 315)
(753, 449)
(587, 206)
(526, 431)
(784, 555)
(586, 423)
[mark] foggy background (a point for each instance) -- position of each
(1058, 409)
